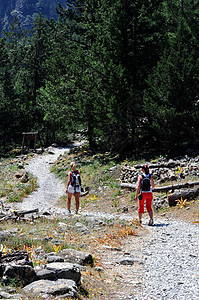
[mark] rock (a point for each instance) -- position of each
(65, 270)
(125, 209)
(16, 258)
(16, 266)
(46, 274)
(82, 228)
(79, 257)
(23, 176)
(4, 295)
(54, 145)
(99, 269)
(20, 165)
(17, 296)
(126, 261)
(54, 258)
(19, 174)
(21, 274)
(65, 287)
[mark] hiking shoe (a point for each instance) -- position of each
(151, 222)
(69, 212)
(140, 221)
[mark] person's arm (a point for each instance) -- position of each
(69, 180)
(152, 183)
(138, 187)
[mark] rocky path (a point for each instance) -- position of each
(163, 265)
(50, 186)
(171, 261)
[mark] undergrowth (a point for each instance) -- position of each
(11, 189)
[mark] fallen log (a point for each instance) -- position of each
(187, 194)
(128, 186)
(25, 212)
(168, 165)
(164, 188)
(84, 193)
(18, 214)
(176, 186)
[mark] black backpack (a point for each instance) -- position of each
(146, 182)
(76, 179)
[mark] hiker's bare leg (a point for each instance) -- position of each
(150, 214)
(77, 201)
(148, 206)
(69, 200)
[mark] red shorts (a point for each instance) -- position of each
(148, 197)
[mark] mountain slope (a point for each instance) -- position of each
(26, 10)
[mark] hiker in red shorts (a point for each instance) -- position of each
(144, 189)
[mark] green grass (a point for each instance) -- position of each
(10, 187)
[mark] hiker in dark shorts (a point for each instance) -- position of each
(144, 189)
(73, 186)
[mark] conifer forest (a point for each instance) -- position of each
(124, 74)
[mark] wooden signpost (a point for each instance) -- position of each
(29, 137)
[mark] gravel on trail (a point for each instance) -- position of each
(50, 187)
(168, 259)
(169, 254)
(171, 269)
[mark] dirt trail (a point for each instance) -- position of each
(51, 188)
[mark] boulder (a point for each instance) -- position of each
(23, 176)
(79, 257)
(21, 274)
(65, 270)
(54, 258)
(64, 287)
(16, 258)
(46, 274)
(18, 267)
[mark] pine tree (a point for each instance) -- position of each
(171, 99)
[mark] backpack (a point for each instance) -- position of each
(75, 178)
(146, 182)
